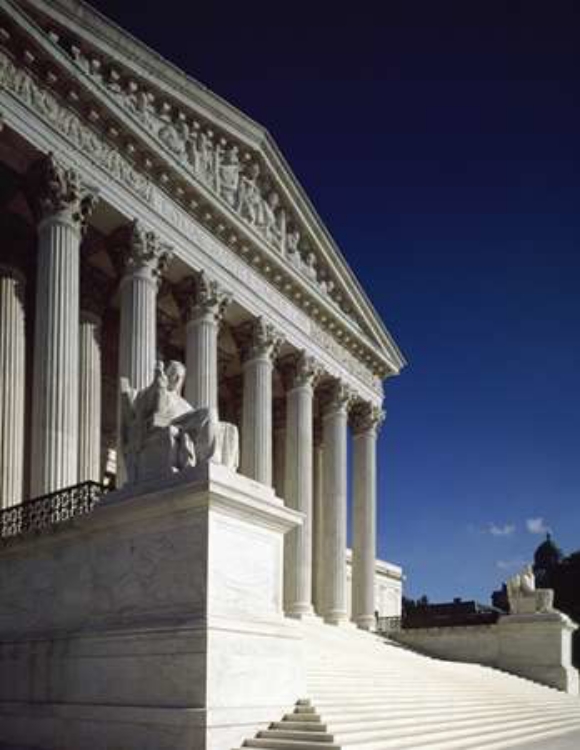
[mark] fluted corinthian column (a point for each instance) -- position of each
(279, 448)
(302, 374)
(12, 383)
(317, 521)
(144, 259)
(334, 510)
(366, 420)
(93, 302)
(62, 204)
(260, 347)
(203, 303)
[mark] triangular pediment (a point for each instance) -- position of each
(225, 166)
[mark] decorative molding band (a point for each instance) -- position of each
(27, 88)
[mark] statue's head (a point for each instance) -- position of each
(175, 374)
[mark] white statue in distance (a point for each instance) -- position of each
(162, 434)
(523, 596)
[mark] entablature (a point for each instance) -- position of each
(151, 162)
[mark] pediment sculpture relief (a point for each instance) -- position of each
(523, 596)
(162, 434)
(217, 163)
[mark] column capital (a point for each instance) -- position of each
(337, 397)
(146, 250)
(199, 295)
(57, 191)
(136, 249)
(8, 271)
(301, 370)
(366, 418)
(259, 339)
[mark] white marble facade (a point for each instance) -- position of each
(144, 219)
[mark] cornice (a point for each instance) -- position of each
(142, 150)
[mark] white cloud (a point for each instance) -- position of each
(537, 526)
(510, 564)
(505, 530)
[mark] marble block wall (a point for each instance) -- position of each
(155, 622)
(538, 647)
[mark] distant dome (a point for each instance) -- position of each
(547, 555)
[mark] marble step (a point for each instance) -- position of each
(350, 724)
(496, 740)
(273, 744)
(449, 738)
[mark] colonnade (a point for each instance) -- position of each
(66, 396)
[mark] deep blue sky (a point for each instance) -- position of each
(440, 145)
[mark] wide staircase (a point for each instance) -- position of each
(366, 693)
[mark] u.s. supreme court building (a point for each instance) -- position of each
(147, 222)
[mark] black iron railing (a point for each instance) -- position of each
(42, 513)
(389, 624)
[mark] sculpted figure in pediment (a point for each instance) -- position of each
(250, 203)
(309, 266)
(206, 157)
(229, 173)
(172, 136)
(273, 220)
(140, 103)
(292, 246)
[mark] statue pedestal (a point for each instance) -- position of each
(538, 646)
(156, 622)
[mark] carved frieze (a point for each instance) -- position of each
(22, 84)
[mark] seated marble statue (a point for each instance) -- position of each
(524, 598)
(162, 434)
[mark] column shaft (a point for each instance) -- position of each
(90, 398)
(138, 335)
(55, 420)
(201, 358)
(318, 529)
(260, 344)
(335, 507)
(257, 420)
(279, 460)
(365, 425)
(203, 303)
(12, 385)
(298, 495)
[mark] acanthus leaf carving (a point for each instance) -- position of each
(145, 250)
(201, 295)
(57, 190)
(366, 418)
(259, 338)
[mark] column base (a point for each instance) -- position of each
(336, 617)
(365, 622)
(301, 612)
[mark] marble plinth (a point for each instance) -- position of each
(156, 622)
